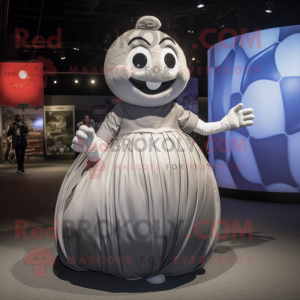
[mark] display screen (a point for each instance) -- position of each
(262, 71)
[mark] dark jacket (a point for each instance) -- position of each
(12, 131)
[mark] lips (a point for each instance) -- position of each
(154, 89)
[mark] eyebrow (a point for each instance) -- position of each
(166, 38)
(139, 38)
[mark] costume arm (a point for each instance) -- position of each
(87, 142)
(94, 145)
(111, 125)
(186, 119)
(236, 118)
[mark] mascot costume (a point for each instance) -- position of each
(141, 196)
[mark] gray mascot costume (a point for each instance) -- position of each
(141, 200)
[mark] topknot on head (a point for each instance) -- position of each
(148, 22)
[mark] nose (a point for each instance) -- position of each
(156, 69)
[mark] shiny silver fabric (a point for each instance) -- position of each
(141, 210)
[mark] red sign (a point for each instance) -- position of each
(21, 82)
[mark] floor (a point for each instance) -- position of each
(264, 264)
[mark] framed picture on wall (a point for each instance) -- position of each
(59, 129)
(22, 92)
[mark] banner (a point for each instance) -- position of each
(22, 92)
(21, 84)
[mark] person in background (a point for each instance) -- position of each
(86, 121)
(18, 131)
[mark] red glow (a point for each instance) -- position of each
(15, 90)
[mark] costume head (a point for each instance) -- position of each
(145, 66)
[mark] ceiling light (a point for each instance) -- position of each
(269, 7)
(200, 4)
(193, 58)
(77, 49)
(55, 82)
(62, 55)
(76, 81)
(93, 81)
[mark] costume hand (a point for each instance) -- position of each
(237, 118)
(87, 142)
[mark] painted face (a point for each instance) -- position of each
(146, 67)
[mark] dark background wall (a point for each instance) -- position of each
(81, 102)
(89, 27)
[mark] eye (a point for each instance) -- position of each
(169, 58)
(139, 60)
(139, 57)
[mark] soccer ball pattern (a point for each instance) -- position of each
(264, 75)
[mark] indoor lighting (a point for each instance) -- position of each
(190, 31)
(54, 81)
(62, 55)
(76, 81)
(93, 81)
(193, 58)
(77, 49)
(200, 4)
(269, 7)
